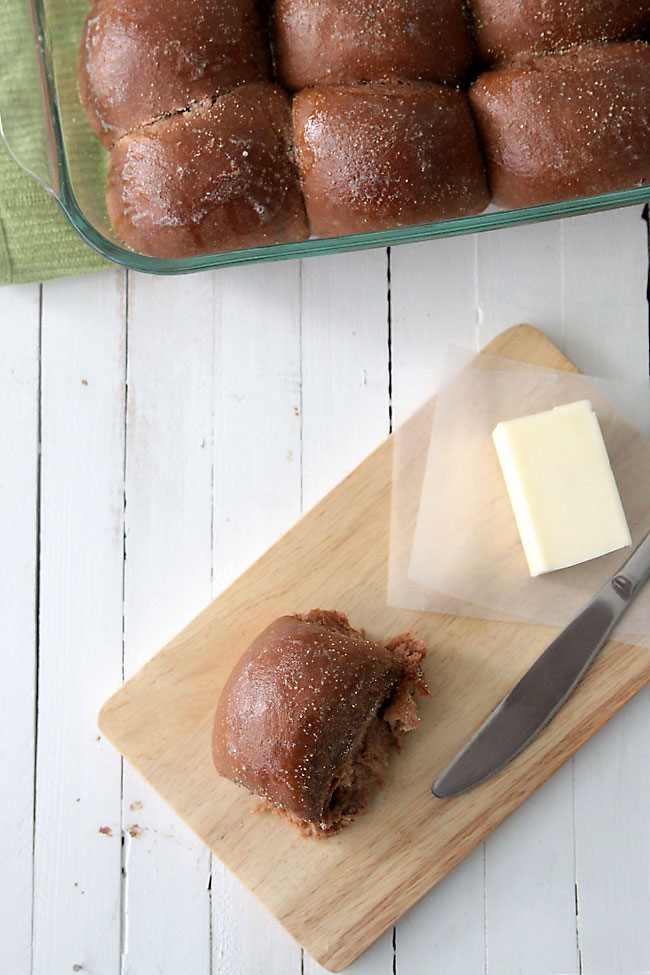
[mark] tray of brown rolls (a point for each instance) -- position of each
(222, 132)
(298, 722)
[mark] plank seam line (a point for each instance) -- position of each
(479, 316)
(563, 302)
(210, 925)
(213, 409)
(575, 864)
(123, 851)
(300, 383)
(37, 599)
(389, 313)
(389, 342)
(485, 910)
(645, 215)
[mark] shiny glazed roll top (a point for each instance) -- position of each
(219, 176)
(384, 155)
(309, 713)
(566, 125)
(140, 60)
(329, 41)
(508, 28)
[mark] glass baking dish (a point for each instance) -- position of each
(44, 128)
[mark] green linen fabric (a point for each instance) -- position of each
(36, 240)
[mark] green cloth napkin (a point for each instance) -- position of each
(36, 240)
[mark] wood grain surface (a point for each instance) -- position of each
(337, 896)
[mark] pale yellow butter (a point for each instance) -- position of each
(561, 486)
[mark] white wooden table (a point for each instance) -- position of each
(156, 436)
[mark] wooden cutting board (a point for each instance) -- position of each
(337, 896)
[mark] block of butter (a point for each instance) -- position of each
(561, 486)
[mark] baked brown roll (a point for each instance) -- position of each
(366, 40)
(566, 125)
(139, 60)
(380, 155)
(310, 713)
(220, 176)
(506, 28)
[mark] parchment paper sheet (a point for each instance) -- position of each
(460, 551)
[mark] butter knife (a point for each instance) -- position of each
(545, 686)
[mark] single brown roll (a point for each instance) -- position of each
(377, 156)
(310, 713)
(506, 28)
(139, 60)
(220, 176)
(566, 125)
(325, 41)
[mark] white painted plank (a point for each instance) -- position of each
(19, 409)
(433, 289)
(519, 279)
(433, 297)
(444, 933)
(166, 897)
(580, 280)
(246, 939)
(256, 499)
(606, 324)
(344, 366)
(166, 905)
(345, 410)
(379, 959)
(77, 867)
(168, 459)
(257, 413)
(605, 286)
(529, 861)
(612, 798)
(530, 886)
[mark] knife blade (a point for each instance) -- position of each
(547, 684)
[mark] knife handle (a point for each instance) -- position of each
(631, 576)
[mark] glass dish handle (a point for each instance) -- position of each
(25, 119)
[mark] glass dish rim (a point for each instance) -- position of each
(121, 255)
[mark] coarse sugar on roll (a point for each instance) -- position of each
(140, 60)
(506, 29)
(220, 176)
(310, 714)
(561, 126)
(334, 41)
(382, 155)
